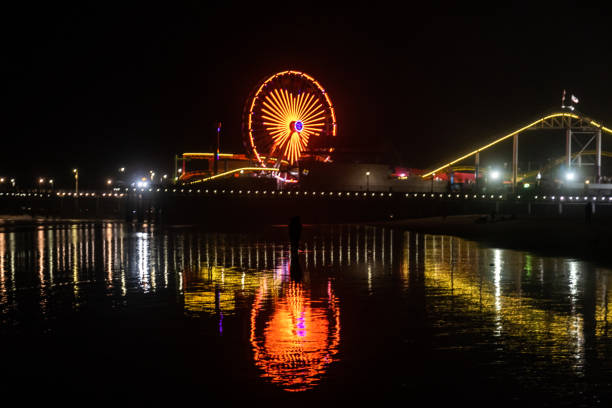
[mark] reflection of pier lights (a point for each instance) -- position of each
(514, 313)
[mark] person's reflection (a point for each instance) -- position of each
(295, 231)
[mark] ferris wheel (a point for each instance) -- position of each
(289, 118)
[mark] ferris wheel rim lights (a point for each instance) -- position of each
(290, 120)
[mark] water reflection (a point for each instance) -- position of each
(552, 309)
(294, 334)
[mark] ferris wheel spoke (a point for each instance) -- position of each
(274, 107)
(294, 100)
(288, 102)
(272, 112)
(315, 109)
(279, 106)
(273, 121)
(300, 103)
(314, 125)
(309, 102)
(315, 116)
(275, 110)
(279, 99)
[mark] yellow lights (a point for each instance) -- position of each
(240, 171)
(281, 121)
(296, 343)
(109, 182)
(554, 115)
(122, 169)
(41, 180)
(207, 154)
(291, 120)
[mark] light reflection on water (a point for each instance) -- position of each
(553, 310)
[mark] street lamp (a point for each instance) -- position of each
(122, 169)
(109, 182)
(76, 181)
(51, 182)
(367, 181)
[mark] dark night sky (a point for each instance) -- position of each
(98, 86)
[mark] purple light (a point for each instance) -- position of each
(299, 126)
(301, 324)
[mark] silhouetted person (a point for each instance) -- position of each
(588, 212)
(295, 231)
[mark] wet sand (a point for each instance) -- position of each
(569, 237)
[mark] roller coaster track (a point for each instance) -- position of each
(558, 120)
(559, 161)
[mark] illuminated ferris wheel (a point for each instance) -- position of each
(287, 119)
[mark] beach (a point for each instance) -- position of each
(555, 236)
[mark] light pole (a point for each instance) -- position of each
(367, 181)
(51, 182)
(76, 181)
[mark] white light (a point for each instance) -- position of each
(494, 175)
(367, 173)
(569, 175)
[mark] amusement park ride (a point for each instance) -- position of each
(289, 127)
(288, 121)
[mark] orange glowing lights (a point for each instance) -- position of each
(296, 343)
(287, 111)
(291, 120)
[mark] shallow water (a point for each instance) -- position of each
(364, 313)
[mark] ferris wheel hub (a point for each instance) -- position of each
(296, 126)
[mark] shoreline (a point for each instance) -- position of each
(566, 237)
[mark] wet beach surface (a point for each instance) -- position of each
(552, 236)
(114, 312)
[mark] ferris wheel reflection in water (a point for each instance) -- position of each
(294, 326)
